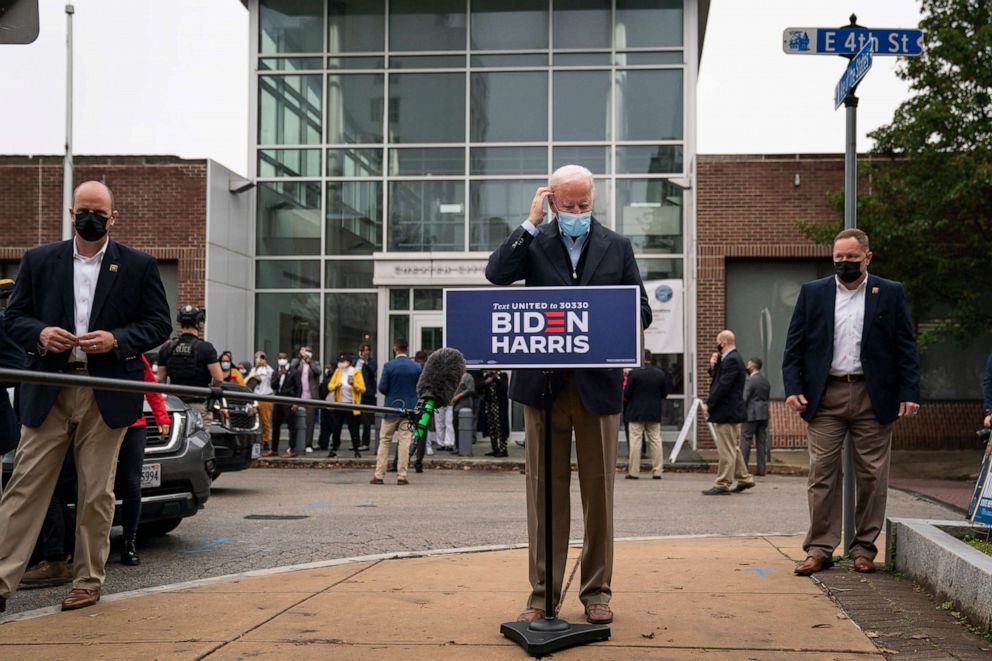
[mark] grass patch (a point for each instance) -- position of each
(982, 544)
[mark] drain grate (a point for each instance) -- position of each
(277, 517)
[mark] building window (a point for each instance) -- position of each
(426, 216)
(289, 110)
(355, 26)
(350, 320)
(285, 322)
(290, 26)
(288, 221)
(649, 213)
(287, 274)
(354, 217)
(415, 25)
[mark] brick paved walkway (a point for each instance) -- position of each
(900, 617)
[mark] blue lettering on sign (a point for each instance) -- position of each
(848, 41)
(855, 71)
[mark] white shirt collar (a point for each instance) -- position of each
(97, 257)
(841, 287)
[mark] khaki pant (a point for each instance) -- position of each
(637, 430)
(265, 419)
(596, 452)
(388, 427)
(846, 407)
(36, 469)
(731, 462)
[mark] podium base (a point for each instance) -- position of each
(542, 637)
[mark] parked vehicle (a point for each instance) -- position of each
(236, 433)
(175, 480)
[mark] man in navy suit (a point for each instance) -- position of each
(725, 408)
(398, 386)
(572, 250)
(850, 366)
(87, 306)
(11, 357)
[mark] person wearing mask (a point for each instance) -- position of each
(367, 366)
(645, 392)
(190, 361)
(725, 409)
(260, 382)
(308, 374)
(231, 373)
(850, 367)
(284, 385)
(346, 385)
(325, 415)
(398, 386)
(85, 306)
(571, 249)
(756, 393)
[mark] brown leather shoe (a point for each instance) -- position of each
(530, 615)
(599, 614)
(400, 481)
(375, 480)
(812, 565)
(864, 565)
(80, 598)
(289, 454)
(47, 574)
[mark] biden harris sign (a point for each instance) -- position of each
(544, 327)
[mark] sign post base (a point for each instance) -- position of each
(548, 637)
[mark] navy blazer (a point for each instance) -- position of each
(541, 261)
(11, 357)
(888, 346)
(129, 302)
(398, 383)
(726, 399)
(646, 388)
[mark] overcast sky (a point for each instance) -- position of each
(172, 78)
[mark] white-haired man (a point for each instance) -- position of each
(573, 249)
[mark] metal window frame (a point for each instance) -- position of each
(689, 67)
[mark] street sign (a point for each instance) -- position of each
(850, 41)
(856, 70)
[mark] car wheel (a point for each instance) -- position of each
(158, 528)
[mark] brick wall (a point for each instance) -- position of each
(747, 207)
(162, 202)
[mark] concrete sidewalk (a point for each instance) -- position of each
(695, 598)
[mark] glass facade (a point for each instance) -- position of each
(408, 127)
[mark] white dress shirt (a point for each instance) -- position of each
(849, 322)
(85, 272)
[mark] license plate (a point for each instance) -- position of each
(256, 450)
(151, 475)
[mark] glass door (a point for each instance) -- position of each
(426, 331)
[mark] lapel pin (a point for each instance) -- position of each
(114, 267)
(874, 290)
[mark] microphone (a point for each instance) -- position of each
(435, 388)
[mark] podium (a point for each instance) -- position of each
(550, 634)
(546, 328)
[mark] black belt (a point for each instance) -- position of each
(847, 378)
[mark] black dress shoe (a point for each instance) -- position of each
(129, 550)
(358, 455)
(716, 491)
(419, 468)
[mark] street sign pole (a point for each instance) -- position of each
(850, 222)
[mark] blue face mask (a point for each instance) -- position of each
(574, 224)
(225, 365)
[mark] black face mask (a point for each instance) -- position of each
(91, 226)
(719, 348)
(848, 271)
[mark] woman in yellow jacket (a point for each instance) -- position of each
(346, 385)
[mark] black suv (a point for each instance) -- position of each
(235, 432)
(175, 480)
